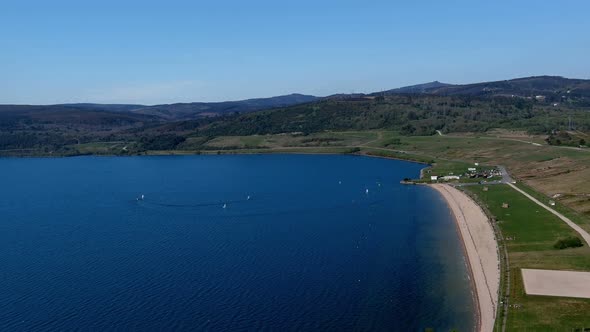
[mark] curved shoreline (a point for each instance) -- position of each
(481, 249)
(484, 320)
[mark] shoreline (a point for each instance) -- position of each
(481, 251)
(486, 305)
(172, 153)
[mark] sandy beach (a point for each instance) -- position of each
(481, 249)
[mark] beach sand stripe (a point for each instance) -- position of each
(482, 252)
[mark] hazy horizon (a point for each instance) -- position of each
(149, 53)
(271, 96)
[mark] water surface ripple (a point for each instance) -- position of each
(309, 249)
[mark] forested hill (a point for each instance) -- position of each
(421, 114)
(183, 111)
(87, 112)
(552, 89)
(416, 110)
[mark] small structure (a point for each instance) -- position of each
(476, 164)
(472, 169)
(552, 203)
(433, 177)
(505, 205)
(486, 188)
(450, 177)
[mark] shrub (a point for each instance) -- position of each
(568, 242)
(354, 150)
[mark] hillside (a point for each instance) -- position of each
(408, 114)
(183, 111)
(19, 117)
(554, 89)
(131, 113)
(438, 107)
(418, 88)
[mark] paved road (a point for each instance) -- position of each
(570, 223)
(506, 178)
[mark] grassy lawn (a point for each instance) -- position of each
(322, 139)
(99, 147)
(530, 232)
(572, 214)
(548, 169)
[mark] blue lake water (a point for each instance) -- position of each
(310, 250)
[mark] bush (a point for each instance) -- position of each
(161, 142)
(354, 150)
(568, 242)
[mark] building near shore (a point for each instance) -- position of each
(450, 177)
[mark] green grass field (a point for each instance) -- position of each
(530, 232)
(572, 214)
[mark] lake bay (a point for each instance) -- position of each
(227, 243)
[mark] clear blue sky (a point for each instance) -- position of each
(179, 51)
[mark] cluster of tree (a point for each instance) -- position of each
(408, 114)
(26, 140)
(565, 138)
(568, 242)
(161, 142)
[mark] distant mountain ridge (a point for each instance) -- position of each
(544, 89)
(83, 113)
(554, 88)
(180, 111)
(542, 104)
(419, 88)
